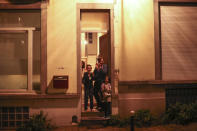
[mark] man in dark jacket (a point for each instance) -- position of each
(99, 76)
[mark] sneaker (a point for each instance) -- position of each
(99, 109)
(94, 110)
(107, 117)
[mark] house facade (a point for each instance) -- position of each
(152, 50)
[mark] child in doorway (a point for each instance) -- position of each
(106, 91)
(88, 87)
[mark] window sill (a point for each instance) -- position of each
(157, 82)
(26, 96)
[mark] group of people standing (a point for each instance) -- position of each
(97, 84)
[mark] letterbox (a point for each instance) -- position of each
(60, 82)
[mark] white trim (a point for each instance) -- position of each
(93, 31)
(17, 28)
(30, 60)
(16, 91)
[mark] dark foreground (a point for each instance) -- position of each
(190, 127)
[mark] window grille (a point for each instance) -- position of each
(12, 117)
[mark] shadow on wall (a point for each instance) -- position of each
(23, 1)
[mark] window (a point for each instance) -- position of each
(176, 48)
(11, 117)
(19, 29)
(179, 42)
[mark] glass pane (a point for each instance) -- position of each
(13, 60)
(16, 18)
(24, 18)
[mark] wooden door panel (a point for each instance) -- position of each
(104, 50)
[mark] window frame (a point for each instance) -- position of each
(157, 34)
(29, 31)
(42, 6)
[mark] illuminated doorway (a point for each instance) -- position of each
(101, 34)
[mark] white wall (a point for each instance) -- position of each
(61, 41)
(137, 61)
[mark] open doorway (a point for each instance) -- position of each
(94, 39)
(95, 44)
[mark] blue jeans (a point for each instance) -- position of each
(88, 93)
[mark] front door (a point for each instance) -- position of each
(105, 51)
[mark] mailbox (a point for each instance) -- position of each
(60, 82)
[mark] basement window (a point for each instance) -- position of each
(12, 117)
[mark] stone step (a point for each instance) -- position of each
(92, 114)
(93, 120)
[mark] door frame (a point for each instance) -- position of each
(100, 7)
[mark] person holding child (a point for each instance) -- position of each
(99, 76)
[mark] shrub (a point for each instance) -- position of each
(38, 122)
(194, 109)
(124, 122)
(185, 115)
(175, 114)
(171, 113)
(180, 114)
(116, 120)
(143, 118)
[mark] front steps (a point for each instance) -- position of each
(90, 114)
(94, 118)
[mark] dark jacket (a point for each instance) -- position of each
(88, 81)
(99, 76)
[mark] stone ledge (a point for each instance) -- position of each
(7, 96)
(157, 82)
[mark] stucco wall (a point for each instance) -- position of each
(95, 1)
(134, 39)
(94, 21)
(117, 32)
(61, 41)
(141, 96)
(137, 47)
(134, 54)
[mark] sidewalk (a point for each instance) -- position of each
(190, 127)
(70, 128)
